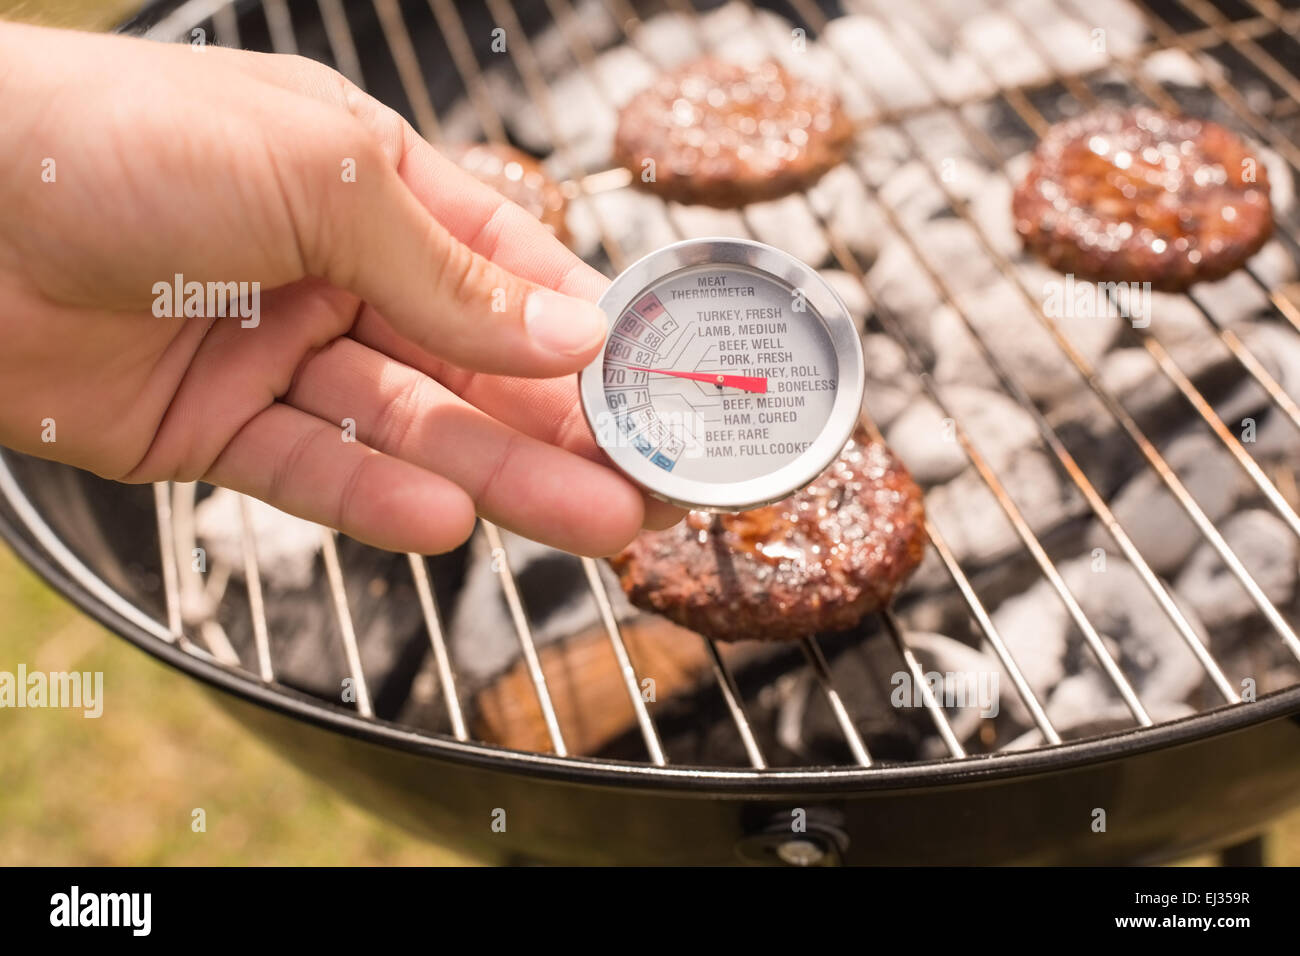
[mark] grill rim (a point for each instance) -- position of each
(682, 779)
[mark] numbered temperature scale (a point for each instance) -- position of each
(731, 377)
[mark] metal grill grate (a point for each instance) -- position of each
(403, 80)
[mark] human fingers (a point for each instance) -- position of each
(302, 465)
(529, 486)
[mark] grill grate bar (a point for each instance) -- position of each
(198, 596)
(625, 668)
(347, 632)
(177, 25)
(1276, 393)
(927, 694)
(821, 670)
(1229, 440)
(256, 602)
(280, 25)
(501, 561)
(462, 55)
(172, 591)
(521, 54)
(1195, 41)
(992, 635)
(167, 548)
(339, 35)
(446, 677)
(402, 50)
(1113, 406)
(1272, 11)
(731, 695)
(1025, 532)
(225, 24)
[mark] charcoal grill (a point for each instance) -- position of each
(1169, 785)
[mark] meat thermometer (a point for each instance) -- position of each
(731, 377)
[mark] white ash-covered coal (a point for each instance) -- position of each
(303, 627)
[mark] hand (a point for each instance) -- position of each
(395, 291)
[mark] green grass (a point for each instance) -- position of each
(121, 789)
(79, 14)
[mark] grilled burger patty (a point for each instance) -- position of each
(726, 135)
(518, 177)
(1141, 196)
(819, 560)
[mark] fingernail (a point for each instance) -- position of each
(562, 324)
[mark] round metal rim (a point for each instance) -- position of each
(785, 268)
(685, 780)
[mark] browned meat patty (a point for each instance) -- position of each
(1140, 196)
(726, 135)
(518, 177)
(819, 560)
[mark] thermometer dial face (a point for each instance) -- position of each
(731, 376)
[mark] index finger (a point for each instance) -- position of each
(495, 228)
(545, 408)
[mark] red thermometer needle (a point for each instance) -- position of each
(747, 382)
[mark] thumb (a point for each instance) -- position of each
(382, 244)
